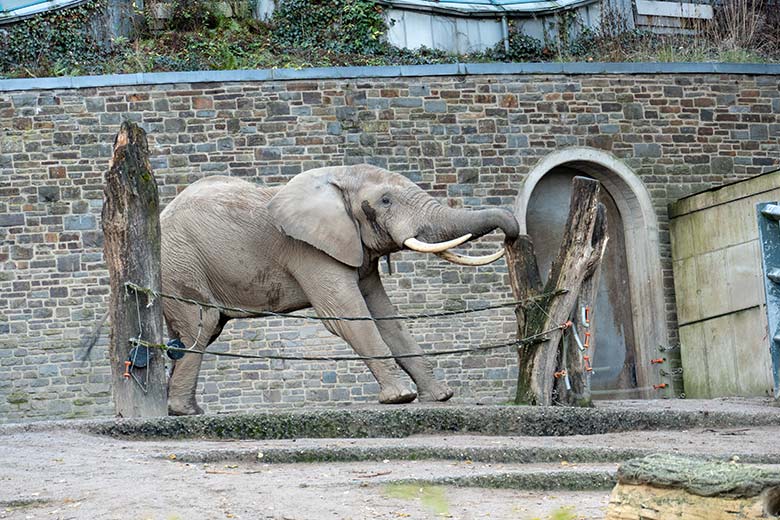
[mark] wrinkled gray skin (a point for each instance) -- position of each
(313, 242)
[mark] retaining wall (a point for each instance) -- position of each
(467, 133)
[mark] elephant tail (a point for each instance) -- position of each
(91, 340)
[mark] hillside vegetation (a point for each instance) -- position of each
(208, 35)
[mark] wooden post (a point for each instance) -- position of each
(131, 228)
(582, 247)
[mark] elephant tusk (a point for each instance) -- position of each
(437, 247)
(471, 260)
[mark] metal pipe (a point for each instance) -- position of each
(505, 33)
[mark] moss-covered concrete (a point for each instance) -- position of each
(700, 477)
(584, 454)
(538, 480)
(405, 421)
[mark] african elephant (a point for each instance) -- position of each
(314, 242)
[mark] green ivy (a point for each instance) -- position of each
(350, 26)
(56, 43)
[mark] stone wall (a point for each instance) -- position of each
(469, 139)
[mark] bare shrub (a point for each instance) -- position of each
(738, 24)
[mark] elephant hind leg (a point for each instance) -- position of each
(195, 331)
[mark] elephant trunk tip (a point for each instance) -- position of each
(511, 228)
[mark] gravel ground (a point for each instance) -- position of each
(54, 471)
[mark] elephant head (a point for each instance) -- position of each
(356, 214)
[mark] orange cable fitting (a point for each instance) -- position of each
(659, 386)
(588, 368)
(560, 374)
(587, 339)
(126, 375)
(587, 315)
(566, 325)
(657, 361)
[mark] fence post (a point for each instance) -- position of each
(131, 228)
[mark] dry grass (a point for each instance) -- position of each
(738, 25)
(741, 31)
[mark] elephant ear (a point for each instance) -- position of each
(312, 209)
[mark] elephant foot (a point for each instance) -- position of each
(189, 408)
(436, 392)
(396, 394)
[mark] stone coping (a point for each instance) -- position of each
(454, 69)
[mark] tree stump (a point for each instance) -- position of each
(131, 226)
(575, 268)
(672, 487)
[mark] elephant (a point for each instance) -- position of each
(314, 242)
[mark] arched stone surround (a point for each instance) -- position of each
(641, 236)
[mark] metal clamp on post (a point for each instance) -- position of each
(585, 316)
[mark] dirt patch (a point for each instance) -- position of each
(58, 470)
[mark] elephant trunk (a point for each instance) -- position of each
(451, 223)
(450, 227)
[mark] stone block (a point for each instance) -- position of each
(651, 150)
(277, 108)
(68, 263)
(48, 193)
(402, 102)
(175, 125)
(79, 222)
(633, 111)
(96, 150)
(759, 132)
(722, 165)
(11, 219)
(437, 107)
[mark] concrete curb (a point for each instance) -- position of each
(405, 421)
(581, 480)
(530, 455)
(336, 73)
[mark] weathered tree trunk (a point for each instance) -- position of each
(579, 361)
(131, 226)
(582, 247)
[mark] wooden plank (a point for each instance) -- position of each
(674, 9)
(693, 356)
(685, 290)
(131, 226)
(768, 183)
(662, 21)
(752, 362)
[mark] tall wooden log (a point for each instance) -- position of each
(131, 226)
(579, 394)
(582, 247)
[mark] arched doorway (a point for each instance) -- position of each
(629, 311)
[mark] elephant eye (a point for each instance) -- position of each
(386, 200)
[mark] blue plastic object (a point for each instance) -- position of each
(139, 356)
(175, 354)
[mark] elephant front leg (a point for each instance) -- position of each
(338, 294)
(401, 341)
